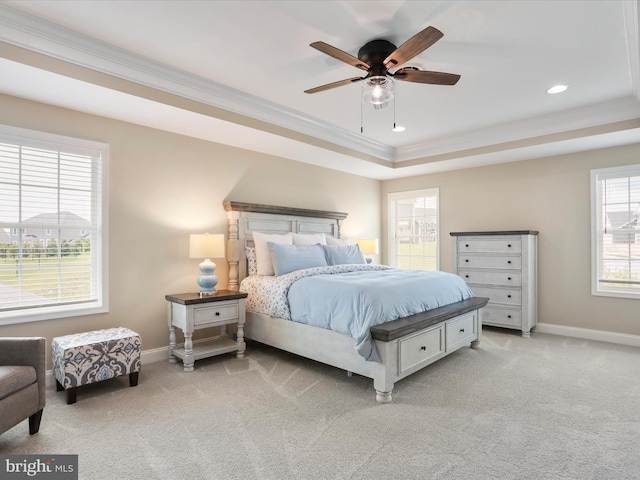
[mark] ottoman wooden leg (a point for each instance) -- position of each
(71, 395)
(59, 386)
(133, 379)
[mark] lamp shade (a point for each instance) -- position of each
(369, 246)
(205, 245)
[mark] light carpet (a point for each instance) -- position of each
(547, 407)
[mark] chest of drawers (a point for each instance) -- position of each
(502, 266)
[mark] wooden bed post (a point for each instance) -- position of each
(233, 250)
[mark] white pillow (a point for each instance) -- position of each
(309, 239)
(263, 255)
(339, 241)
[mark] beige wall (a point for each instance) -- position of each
(551, 195)
(164, 186)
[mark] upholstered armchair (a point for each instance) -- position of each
(22, 381)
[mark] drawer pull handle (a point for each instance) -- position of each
(508, 296)
(462, 330)
(467, 245)
(508, 278)
(509, 245)
(508, 316)
(466, 276)
(423, 348)
(217, 314)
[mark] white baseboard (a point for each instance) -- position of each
(588, 334)
(162, 353)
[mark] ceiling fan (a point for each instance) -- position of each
(380, 57)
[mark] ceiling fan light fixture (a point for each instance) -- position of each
(378, 91)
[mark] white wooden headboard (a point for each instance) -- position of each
(246, 218)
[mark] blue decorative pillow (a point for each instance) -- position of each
(289, 258)
(341, 254)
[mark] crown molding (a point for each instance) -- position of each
(29, 32)
(610, 112)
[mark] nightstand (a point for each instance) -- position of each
(190, 312)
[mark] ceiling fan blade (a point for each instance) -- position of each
(340, 55)
(329, 86)
(419, 76)
(412, 47)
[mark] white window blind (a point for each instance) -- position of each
(615, 209)
(413, 229)
(52, 213)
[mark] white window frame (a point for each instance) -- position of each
(392, 252)
(100, 152)
(598, 230)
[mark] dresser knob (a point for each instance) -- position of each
(508, 296)
(466, 276)
(217, 314)
(467, 260)
(462, 330)
(509, 245)
(508, 278)
(508, 261)
(508, 316)
(423, 348)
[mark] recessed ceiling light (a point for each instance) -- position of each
(557, 89)
(398, 128)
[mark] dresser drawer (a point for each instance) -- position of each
(483, 245)
(502, 317)
(460, 331)
(491, 278)
(221, 312)
(421, 348)
(504, 296)
(497, 261)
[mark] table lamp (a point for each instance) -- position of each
(369, 246)
(207, 246)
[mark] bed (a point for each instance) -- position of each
(404, 345)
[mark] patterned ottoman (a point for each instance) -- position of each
(91, 357)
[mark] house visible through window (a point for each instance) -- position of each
(413, 229)
(52, 226)
(615, 208)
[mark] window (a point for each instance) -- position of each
(413, 230)
(53, 228)
(615, 207)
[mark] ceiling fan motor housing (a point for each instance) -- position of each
(374, 53)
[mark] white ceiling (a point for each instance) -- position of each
(237, 71)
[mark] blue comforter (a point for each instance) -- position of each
(352, 302)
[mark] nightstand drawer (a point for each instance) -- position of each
(460, 331)
(220, 312)
(421, 348)
(482, 245)
(491, 278)
(499, 261)
(504, 296)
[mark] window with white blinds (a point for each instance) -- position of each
(413, 230)
(52, 226)
(615, 207)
